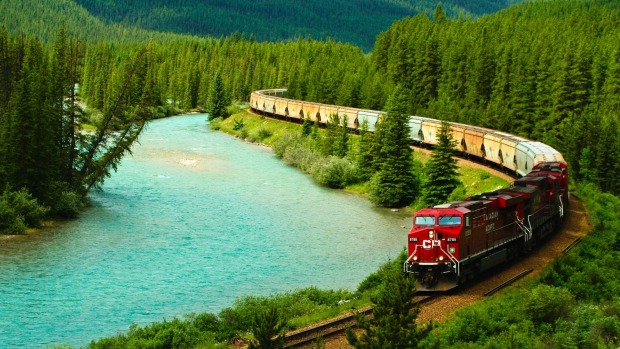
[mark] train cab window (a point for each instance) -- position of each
(424, 220)
(467, 222)
(449, 220)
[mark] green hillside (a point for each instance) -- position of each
(43, 19)
(353, 21)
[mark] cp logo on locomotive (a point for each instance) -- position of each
(431, 243)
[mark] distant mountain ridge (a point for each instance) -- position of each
(354, 21)
(44, 18)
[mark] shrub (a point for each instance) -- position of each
(300, 157)
(263, 133)
(335, 172)
(547, 304)
(238, 125)
(18, 210)
(287, 140)
(68, 204)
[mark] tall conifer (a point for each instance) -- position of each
(395, 185)
(441, 169)
(218, 100)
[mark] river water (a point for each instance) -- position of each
(191, 221)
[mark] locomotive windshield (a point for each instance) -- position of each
(424, 220)
(450, 220)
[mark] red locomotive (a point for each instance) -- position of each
(451, 243)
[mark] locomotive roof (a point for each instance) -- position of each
(526, 191)
(537, 179)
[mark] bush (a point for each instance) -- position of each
(287, 140)
(263, 133)
(69, 205)
(335, 172)
(547, 304)
(18, 210)
(300, 157)
(238, 125)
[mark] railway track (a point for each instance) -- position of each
(335, 326)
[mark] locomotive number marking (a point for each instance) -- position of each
(431, 243)
(490, 227)
(492, 215)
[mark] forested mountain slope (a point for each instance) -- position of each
(44, 18)
(354, 21)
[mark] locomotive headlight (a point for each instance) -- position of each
(431, 234)
(440, 258)
(415, 258)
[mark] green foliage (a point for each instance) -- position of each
(214, 124)
(268, 328)
(396, 184)
(548, 304)
(218, 100)
(335, 172)
(237, 320)
(263, 133)
(176, 333)
(68, 204)
(238, 125)
(441, 170)
(19, 210)
(306, 127)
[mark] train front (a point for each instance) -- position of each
(433, 248)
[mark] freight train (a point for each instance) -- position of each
(452, 243)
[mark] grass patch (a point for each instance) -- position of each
(478, 181)
(257, 128)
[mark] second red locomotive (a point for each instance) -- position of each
(451, 243)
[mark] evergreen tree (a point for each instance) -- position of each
(306, 127)
(364, 156)
(341, 142)
(395, 185)
(218, 99)
(393, 324)
(441, 169)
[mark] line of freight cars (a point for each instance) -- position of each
(452, 243)
(515, 154)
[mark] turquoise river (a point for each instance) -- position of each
(192, 220)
